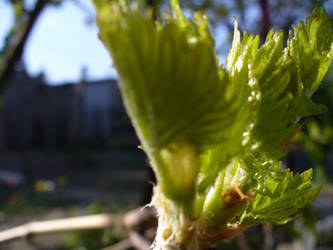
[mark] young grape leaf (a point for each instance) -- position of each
(212, 132)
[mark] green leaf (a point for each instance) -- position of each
(172, 86)
(263, 193)
(310, 47)
(287, 79)
(279, 195)
(215, 134)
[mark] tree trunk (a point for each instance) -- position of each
(15, 46)
(265, 19)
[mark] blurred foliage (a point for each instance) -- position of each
(19, 202)
(282, 13)
(17, 7)
(89, 239)
(316, 137)
(93, 239)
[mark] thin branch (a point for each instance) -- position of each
(265, 18)
(137, 221)
(138, 241)
(140, 219)
(122, 245)
(14, 50)
(60, 225)
(242, 242)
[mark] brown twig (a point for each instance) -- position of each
(122, 245)
(59, 225)
(138, 241)
(265, 19)
(242, 242)
(136, 222)
(140, 219)
(14, 50)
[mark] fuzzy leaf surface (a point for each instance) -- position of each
(213, 130)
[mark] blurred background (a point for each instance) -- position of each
(67, 147)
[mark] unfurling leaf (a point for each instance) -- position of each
(215, 134)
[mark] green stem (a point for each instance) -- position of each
(177, 231)
(176, 228)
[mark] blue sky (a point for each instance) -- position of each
(62, 43)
